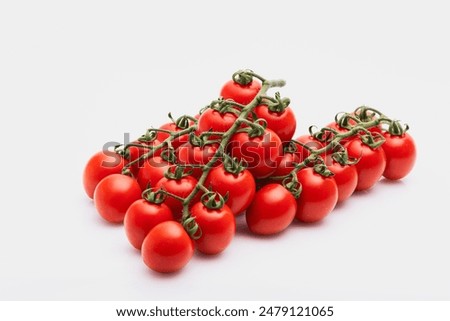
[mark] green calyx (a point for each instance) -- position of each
(233, 165)
(373, 140)
(177, 172)
(396, 129)
(322, 169)
(213, 200)
(292, 184)
(243, 77)
(154, 197)
(278, 104)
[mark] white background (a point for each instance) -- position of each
(74, 75)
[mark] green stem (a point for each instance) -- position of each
(225, 140)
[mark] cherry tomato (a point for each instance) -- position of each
(346, 177)
(100, 165)
(242, 94)
(260, 152)
(141, 217)
(213, 120)
(240, 187)
(217, 226)
(114, 194)
(152, 171)
(318, 198)
(286, 164)
(162, 136)
(188, 154)
(180, 187)
(283, 124)
(400, 155)
(271, 211)
(370, 166)
(310, 142)
(167, 247)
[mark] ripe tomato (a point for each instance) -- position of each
(271, 211)
(217, 225)
(161, 136)
(261, 152)
(370, 166)
(213, 120)
(400, 155)
(100, 165)
(114, 194)
(310, 142)
(141, 217)
(283, 124)
(152, 171)
(180, 187)
(188, 154)
(286, 164)
(318, 198)
(346, 177)
(242, 94)
(240, 187)
(167, 247)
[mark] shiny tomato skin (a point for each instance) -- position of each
(286, 164)
(283, 123)
(100, 165)
(152, 171)
(400, 155)
(188, 154)
(345, 176)
(318, 198)
(242, 94)
(167, 248)
(217, 228)
(213, 120)
(114, 194)
(271, 211)
(260, 152)
(309, 141)
(240, 187)
(180, 187)
(370, 166)
(141, 217)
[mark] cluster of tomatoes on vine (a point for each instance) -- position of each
(179, 187)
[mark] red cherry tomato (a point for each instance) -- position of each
(318, 198)
(400, 155)
(100, 165)
(346, 177)
(161, 136)
(240, 187)
(213, 120)
(286, 164)
(242, 94)
(283, 124)
(114, 194)
(310, 142)
(261, 152)
(180, 187)
(188, 154)
(167, 247)
(272, 210)
(370, 166)
(152, 171)
(217, 226)
(141, 217)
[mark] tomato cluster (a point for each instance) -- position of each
(178, 188)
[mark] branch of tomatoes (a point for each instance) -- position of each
(192, 176)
